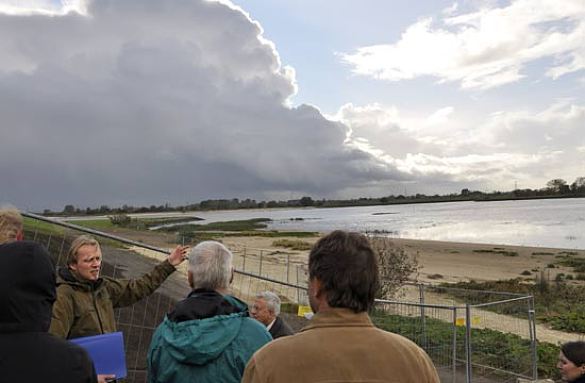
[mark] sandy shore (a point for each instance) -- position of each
(438, 262)
(449, 261)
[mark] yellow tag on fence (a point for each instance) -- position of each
(475, 320)
(303, 310)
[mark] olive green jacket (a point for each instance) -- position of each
(85, 308)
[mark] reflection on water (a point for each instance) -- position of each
(547, 223)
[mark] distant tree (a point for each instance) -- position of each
(69, 209)
(465, 192)
(557, 185)
(306, 201)
(579, 185)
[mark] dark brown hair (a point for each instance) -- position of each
(575, 352)
(346, 266)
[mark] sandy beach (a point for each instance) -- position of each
(439, 262)
(448, 261)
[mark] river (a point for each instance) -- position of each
(558, 223)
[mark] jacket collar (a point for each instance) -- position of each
(65, 276)
(339, 317)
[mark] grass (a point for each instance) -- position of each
(96, 224)
(558, 304)
(497, 250)
(130, 223)
(292, 244)
(578, 264)
(241, 225)
(274, 234)
(34, 225)
(507, 351)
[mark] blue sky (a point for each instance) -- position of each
(177, 101)
(311, 36)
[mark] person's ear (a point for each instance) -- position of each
(190, 278)
(20, 235)
(232, 276)
(317, 288)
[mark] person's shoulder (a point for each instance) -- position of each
(397, 341)
(255, 331)
(252, 325)
(26, 250)
(62, 347)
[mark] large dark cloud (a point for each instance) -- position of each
(145, 102)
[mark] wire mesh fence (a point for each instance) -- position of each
(126, 259)
(479, 336)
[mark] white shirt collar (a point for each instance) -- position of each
(270, 325)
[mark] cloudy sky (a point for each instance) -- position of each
(146, 102)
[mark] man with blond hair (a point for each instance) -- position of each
(11, 227)
(209, 336)
(86, 301)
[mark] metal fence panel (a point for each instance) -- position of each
(466, 333)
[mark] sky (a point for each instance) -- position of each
(174, 101)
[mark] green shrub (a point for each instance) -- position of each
(492, 348)
(296, 244)
(498, 250)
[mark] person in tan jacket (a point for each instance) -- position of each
(341, 344)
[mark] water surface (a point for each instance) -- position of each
(548, 223)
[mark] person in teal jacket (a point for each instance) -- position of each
(209, 336)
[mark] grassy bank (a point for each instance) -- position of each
(505, 351)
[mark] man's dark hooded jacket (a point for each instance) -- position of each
(28, 353)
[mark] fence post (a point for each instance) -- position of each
(244, 258)
(533, 345)
(454, 351)
(260, 271)
(287, 267)
(298, 292)
(49, 242)
(423, 320)
(468, 367)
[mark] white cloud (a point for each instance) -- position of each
(42, 7)
(482, 49)
(441, 116)
(528, 145)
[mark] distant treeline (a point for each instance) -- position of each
(556, 188)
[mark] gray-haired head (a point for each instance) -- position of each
(210, 266)
(272, 301)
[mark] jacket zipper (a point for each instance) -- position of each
(97, 310)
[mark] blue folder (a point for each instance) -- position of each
(106, 351)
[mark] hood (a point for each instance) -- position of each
(27, 287)
(198, 341)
